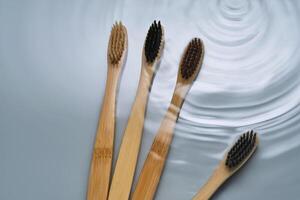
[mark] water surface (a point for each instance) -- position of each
(52, 78)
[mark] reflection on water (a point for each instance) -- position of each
(249, 80)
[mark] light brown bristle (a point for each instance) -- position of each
(192, 58)
(117, 43)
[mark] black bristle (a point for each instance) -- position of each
(153, 41)
(241, 149)
(191, 58)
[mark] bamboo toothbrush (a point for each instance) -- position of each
(237, 156)
(127, 159)
(189, 68)
(103, 148)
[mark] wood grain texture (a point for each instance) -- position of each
(101, 163)
(130, 145)
(214, 182)
(103, 148)
(153, 166)
(219, 176)
(155, 161)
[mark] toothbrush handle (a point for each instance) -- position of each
(130, 146)
(100, 169)
(154, 165)
(211, 186)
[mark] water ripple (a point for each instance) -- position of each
(53, 67)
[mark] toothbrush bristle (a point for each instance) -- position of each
(241, 150)
(192, 58)
(117, 42)
(153, 42)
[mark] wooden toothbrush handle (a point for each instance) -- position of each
(153, 167)
(100, 169)
(130, 146)
(211, 186)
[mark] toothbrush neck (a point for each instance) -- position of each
(178, 99)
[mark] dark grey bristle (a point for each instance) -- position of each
(153, 41)
(191, 58)
(241, 149)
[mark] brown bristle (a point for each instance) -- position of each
(153, 41)
(241, 149)
(117, 42)
(192, 57)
